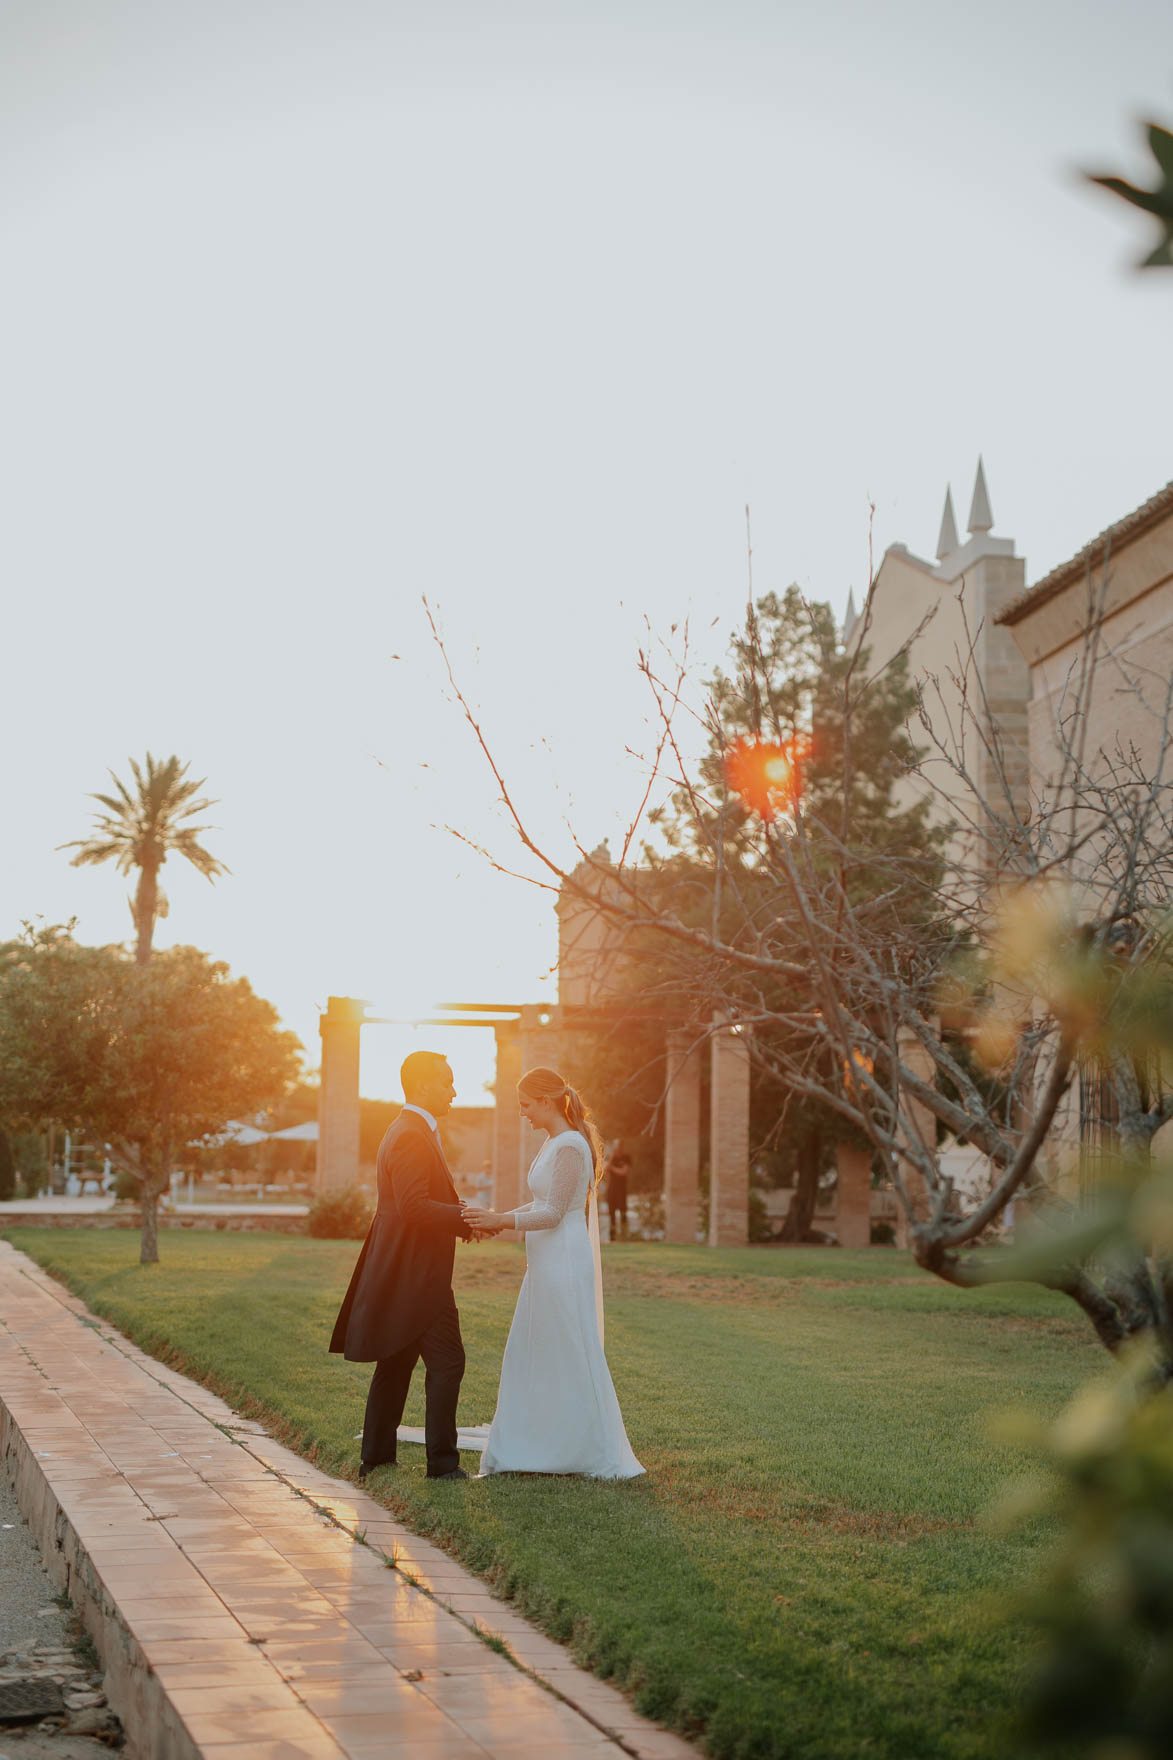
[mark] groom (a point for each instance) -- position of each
(399, 1306)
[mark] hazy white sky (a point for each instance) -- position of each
(311, 309)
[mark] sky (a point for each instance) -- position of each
(312, 311)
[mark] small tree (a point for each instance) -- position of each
(139, 830)
(147, 1059)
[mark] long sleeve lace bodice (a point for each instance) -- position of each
(568, 1182)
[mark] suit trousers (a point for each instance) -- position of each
(442, 1350)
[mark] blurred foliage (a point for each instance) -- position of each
(31, 1152)
(125, 1186)
(760, 1228)
(1104, 1686)
(1158, 202)
(1108, 985)
(344, 1215)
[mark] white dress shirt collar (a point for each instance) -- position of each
(426, 1116)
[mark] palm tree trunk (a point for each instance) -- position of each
(146, 898)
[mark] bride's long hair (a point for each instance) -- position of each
(548, 1085)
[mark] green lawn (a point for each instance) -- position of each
(804, 1571)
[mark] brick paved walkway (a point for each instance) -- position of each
(237, 1612)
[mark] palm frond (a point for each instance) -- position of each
(91, 850)
(127, 799)
(139, 826)
(184, 844)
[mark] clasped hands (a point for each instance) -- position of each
(484, 1223)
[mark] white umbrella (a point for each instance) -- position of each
(246, 1134)
(296, 1133)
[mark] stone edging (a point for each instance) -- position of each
(133, 1691)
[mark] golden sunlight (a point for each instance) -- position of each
(767, 775)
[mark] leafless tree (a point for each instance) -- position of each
(965, 1003)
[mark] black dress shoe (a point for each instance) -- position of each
(456, 1473)
(367, 1467)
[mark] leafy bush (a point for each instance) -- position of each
(126, 1187)
(32, 1162)
(760, 1226)
(344, 1215)
(7, 1167)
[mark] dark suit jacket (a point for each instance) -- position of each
(404, 1273)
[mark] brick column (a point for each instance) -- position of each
(729, 1139)
(914, 1056)
(506, 1121)
(682, 1137)
(337, 1158)
(853, 1195)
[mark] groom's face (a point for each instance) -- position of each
(440, 1090)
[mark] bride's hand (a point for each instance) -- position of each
(485, 1221)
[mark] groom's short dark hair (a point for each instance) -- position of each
(417, 1067)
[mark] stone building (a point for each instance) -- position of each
(944, 616)
(1125, 578)
(1121, 581)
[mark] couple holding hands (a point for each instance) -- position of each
(556, 1406)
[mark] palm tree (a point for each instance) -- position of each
(139, 830)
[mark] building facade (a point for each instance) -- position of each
(944, 616)
(1113, 600)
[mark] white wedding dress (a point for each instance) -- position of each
(556, 1406)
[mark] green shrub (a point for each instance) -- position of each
(31, 1160)
(344, 1215)
(126, 1186)
(760, 1226)
(7, 1168)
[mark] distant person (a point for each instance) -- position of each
(618, 1168)
(399, 1306)
(556, 1405)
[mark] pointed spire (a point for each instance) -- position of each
(947, 542)
(980, 517)
(850, 615)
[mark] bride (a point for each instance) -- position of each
(556, 1407)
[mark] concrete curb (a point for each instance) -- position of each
(154, 1731)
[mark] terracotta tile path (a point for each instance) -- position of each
(236, 1611)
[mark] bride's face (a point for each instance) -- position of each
(536, 1113)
